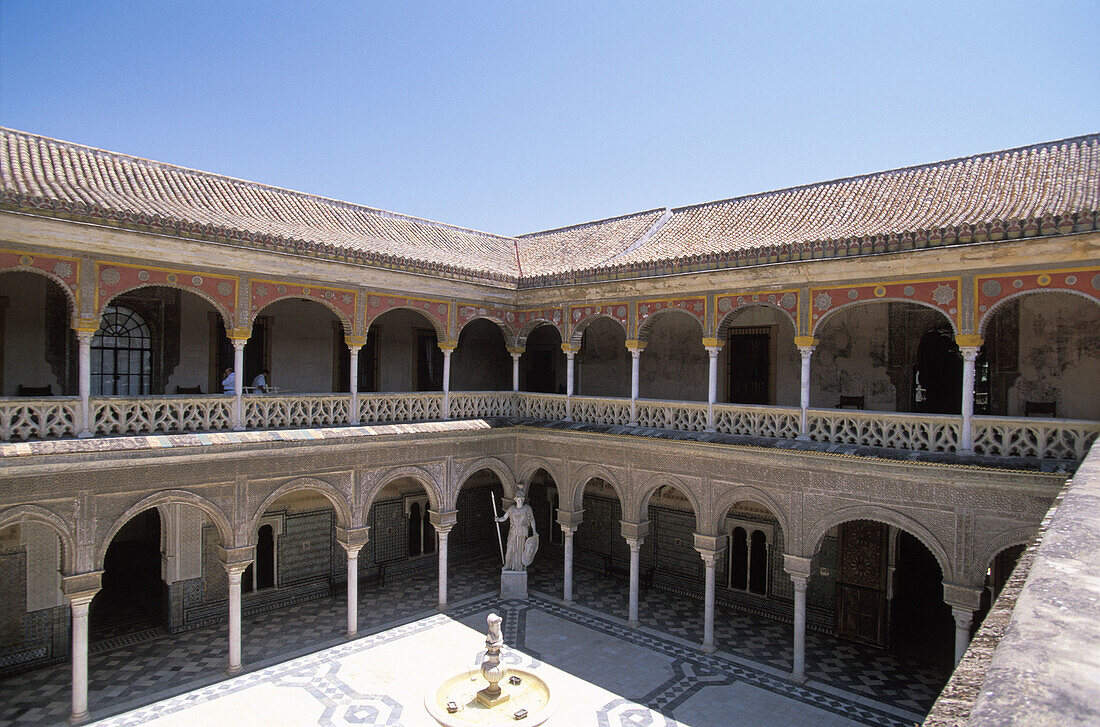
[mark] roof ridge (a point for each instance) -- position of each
(884, 172)
(250, 183)
(592, 222)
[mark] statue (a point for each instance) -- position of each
(521, 549)
(491, 668)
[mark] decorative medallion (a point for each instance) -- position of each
(305, 291)
(143, 275)
(880, 291)
(196, 281)
(908, 291)
(442, 308)
(173, 278)
(1096, 282)
(347, 298)
(853, 294)
(1017, 283)
(281, 290)
(788, 300)
(1043, 280)
(510, 317)
(373, 301)
(225, 288)
(620, 311)
(824, 301)
(1071, 280)
(110, 276)
(991, 288)
(260, 290)
(63, 269)
(943, 294)
(27, 260)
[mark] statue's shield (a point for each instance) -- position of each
(530, 547)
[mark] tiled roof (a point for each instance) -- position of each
(1050, 188)
(589, 244)
(57, 176)
(1041, 189)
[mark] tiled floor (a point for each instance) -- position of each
(654, 668)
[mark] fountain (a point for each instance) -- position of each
(507, 695)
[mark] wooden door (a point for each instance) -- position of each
(861, 582)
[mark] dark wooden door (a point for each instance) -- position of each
(750, 366)
(861, 581)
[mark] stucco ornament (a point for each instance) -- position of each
(823, 301)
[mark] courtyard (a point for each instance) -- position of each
(300, 669)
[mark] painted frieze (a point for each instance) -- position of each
(940, 293)
(505, 318)
(438, 311)
(784, 300)
(113, 279)
(264, 292)
(989, 290)
(524, 320)
(578, 314)
(695, 307)
(64, 269)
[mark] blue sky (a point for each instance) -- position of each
(515, 117)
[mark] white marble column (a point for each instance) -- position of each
(442, 601)
(352, 550)
(799, 569)
(515, 352)
(567, 586)
(238, 383)
(570, 355)
(353, 383)
(635, 348)
(84, 381)
(798, 672)
(712, 378)
(806, 346)
(635, 564)
(447, 351)
(79, 604)
(966, 430)
(963, 619)
(709, 559)
(234, 572)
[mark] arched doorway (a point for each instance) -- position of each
(37, 344)
(542, 364)
(132, 593)
(921, 625)
(603, 364)
(481, 361)
(937, 379)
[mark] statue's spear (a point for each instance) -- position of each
(500, 542)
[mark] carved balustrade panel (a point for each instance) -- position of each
(541, 406)
(759, 421)
(148, 414)
(596, 410)
(478, 404)
(25, 419)
(411, 406)
(919, 432)
(308, 410)
(1040, 438)
(686, 416)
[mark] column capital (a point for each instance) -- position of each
(516, 350)
(805, 341)
(709, 545)
(234, 557)
(967, 598)
(80, 588)
(797, 567)
(634, 531)
(355, 342)
(963, 617)
(86, 325)
(570, 349)
(447, 347)
(570, 518)
(443, 521)
(715, 343)
(969, 340)
(352, 539)
(635, 346)
(239, 334)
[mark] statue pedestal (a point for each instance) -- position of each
(513, 584)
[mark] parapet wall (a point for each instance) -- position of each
(1036, 659)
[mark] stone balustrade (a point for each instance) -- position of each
(1012, 437)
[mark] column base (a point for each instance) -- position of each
(78, 718)
(351, 634)
(440, 607)
(710, 429)
(86, 434)
(797, 678)
(707, 648)
(802, 438)
(965, 450)
(239, 428)
(570, 603)
(633, 624)
(233, 670)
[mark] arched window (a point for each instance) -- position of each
(748, 558)
(415, 530)
(121, 354)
